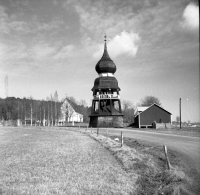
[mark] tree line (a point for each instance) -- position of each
(47, 112)
(30, 111)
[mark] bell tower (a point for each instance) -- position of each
(106, 106)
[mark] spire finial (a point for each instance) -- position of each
(105, 39)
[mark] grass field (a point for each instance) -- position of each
(54, 161)
(64, 161)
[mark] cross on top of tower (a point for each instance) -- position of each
(105, 64)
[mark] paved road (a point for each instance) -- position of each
(188, 146)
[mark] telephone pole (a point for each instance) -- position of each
(180, 111)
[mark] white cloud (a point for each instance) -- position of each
(191, 16)
(64, 52)
(125, 43)
(99, 16)
(10, 23)
(42, 51)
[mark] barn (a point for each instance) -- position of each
(146, 116)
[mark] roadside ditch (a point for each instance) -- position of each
(148, 164)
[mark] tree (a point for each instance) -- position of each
(48, 122)
(51, 99)
(128, 109)
(149, 100)
(83, 103)
(31, 106)
(56, 113)
(69, 111)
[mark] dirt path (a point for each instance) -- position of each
(50, 161)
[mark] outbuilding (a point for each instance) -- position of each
(146, 116)
(69, 113)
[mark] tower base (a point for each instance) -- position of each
(106, 121)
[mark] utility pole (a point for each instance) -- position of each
(25, 111)
(44, 115)
(48, 114)
(180, 111)
(18, 109)
(40, 114)
(31, 113)
(36, 116)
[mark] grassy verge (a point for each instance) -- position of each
(53, 161)
(147, 165)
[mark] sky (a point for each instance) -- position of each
(49, 45)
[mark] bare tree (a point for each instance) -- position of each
(51, 100)
(56, 114)
(31, 106)
(83, 103)
(149, 100)
(69, 111)
(44, 118)
(40, 114)
(128, 109)
(24, 111)
(48, 115)
(36, 115)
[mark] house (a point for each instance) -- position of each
(69, 113)
(146, 116)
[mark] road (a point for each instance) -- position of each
(187, 146)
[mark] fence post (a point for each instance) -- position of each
(166, 156)
(97, 131)
(122, 139)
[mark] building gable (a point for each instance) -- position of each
(146, 108)
(154, 113)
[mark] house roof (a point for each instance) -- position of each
(142, 109)
(73, 105)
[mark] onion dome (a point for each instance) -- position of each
(105, 64)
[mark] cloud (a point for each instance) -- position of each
(42, 51)
(4, 28)
(155, 21)
(55, 24)
(190, 16)
(21, 57)
(8, 24)
(96, 17)
(125, 43)
(64, 52)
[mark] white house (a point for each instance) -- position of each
(68, 113)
